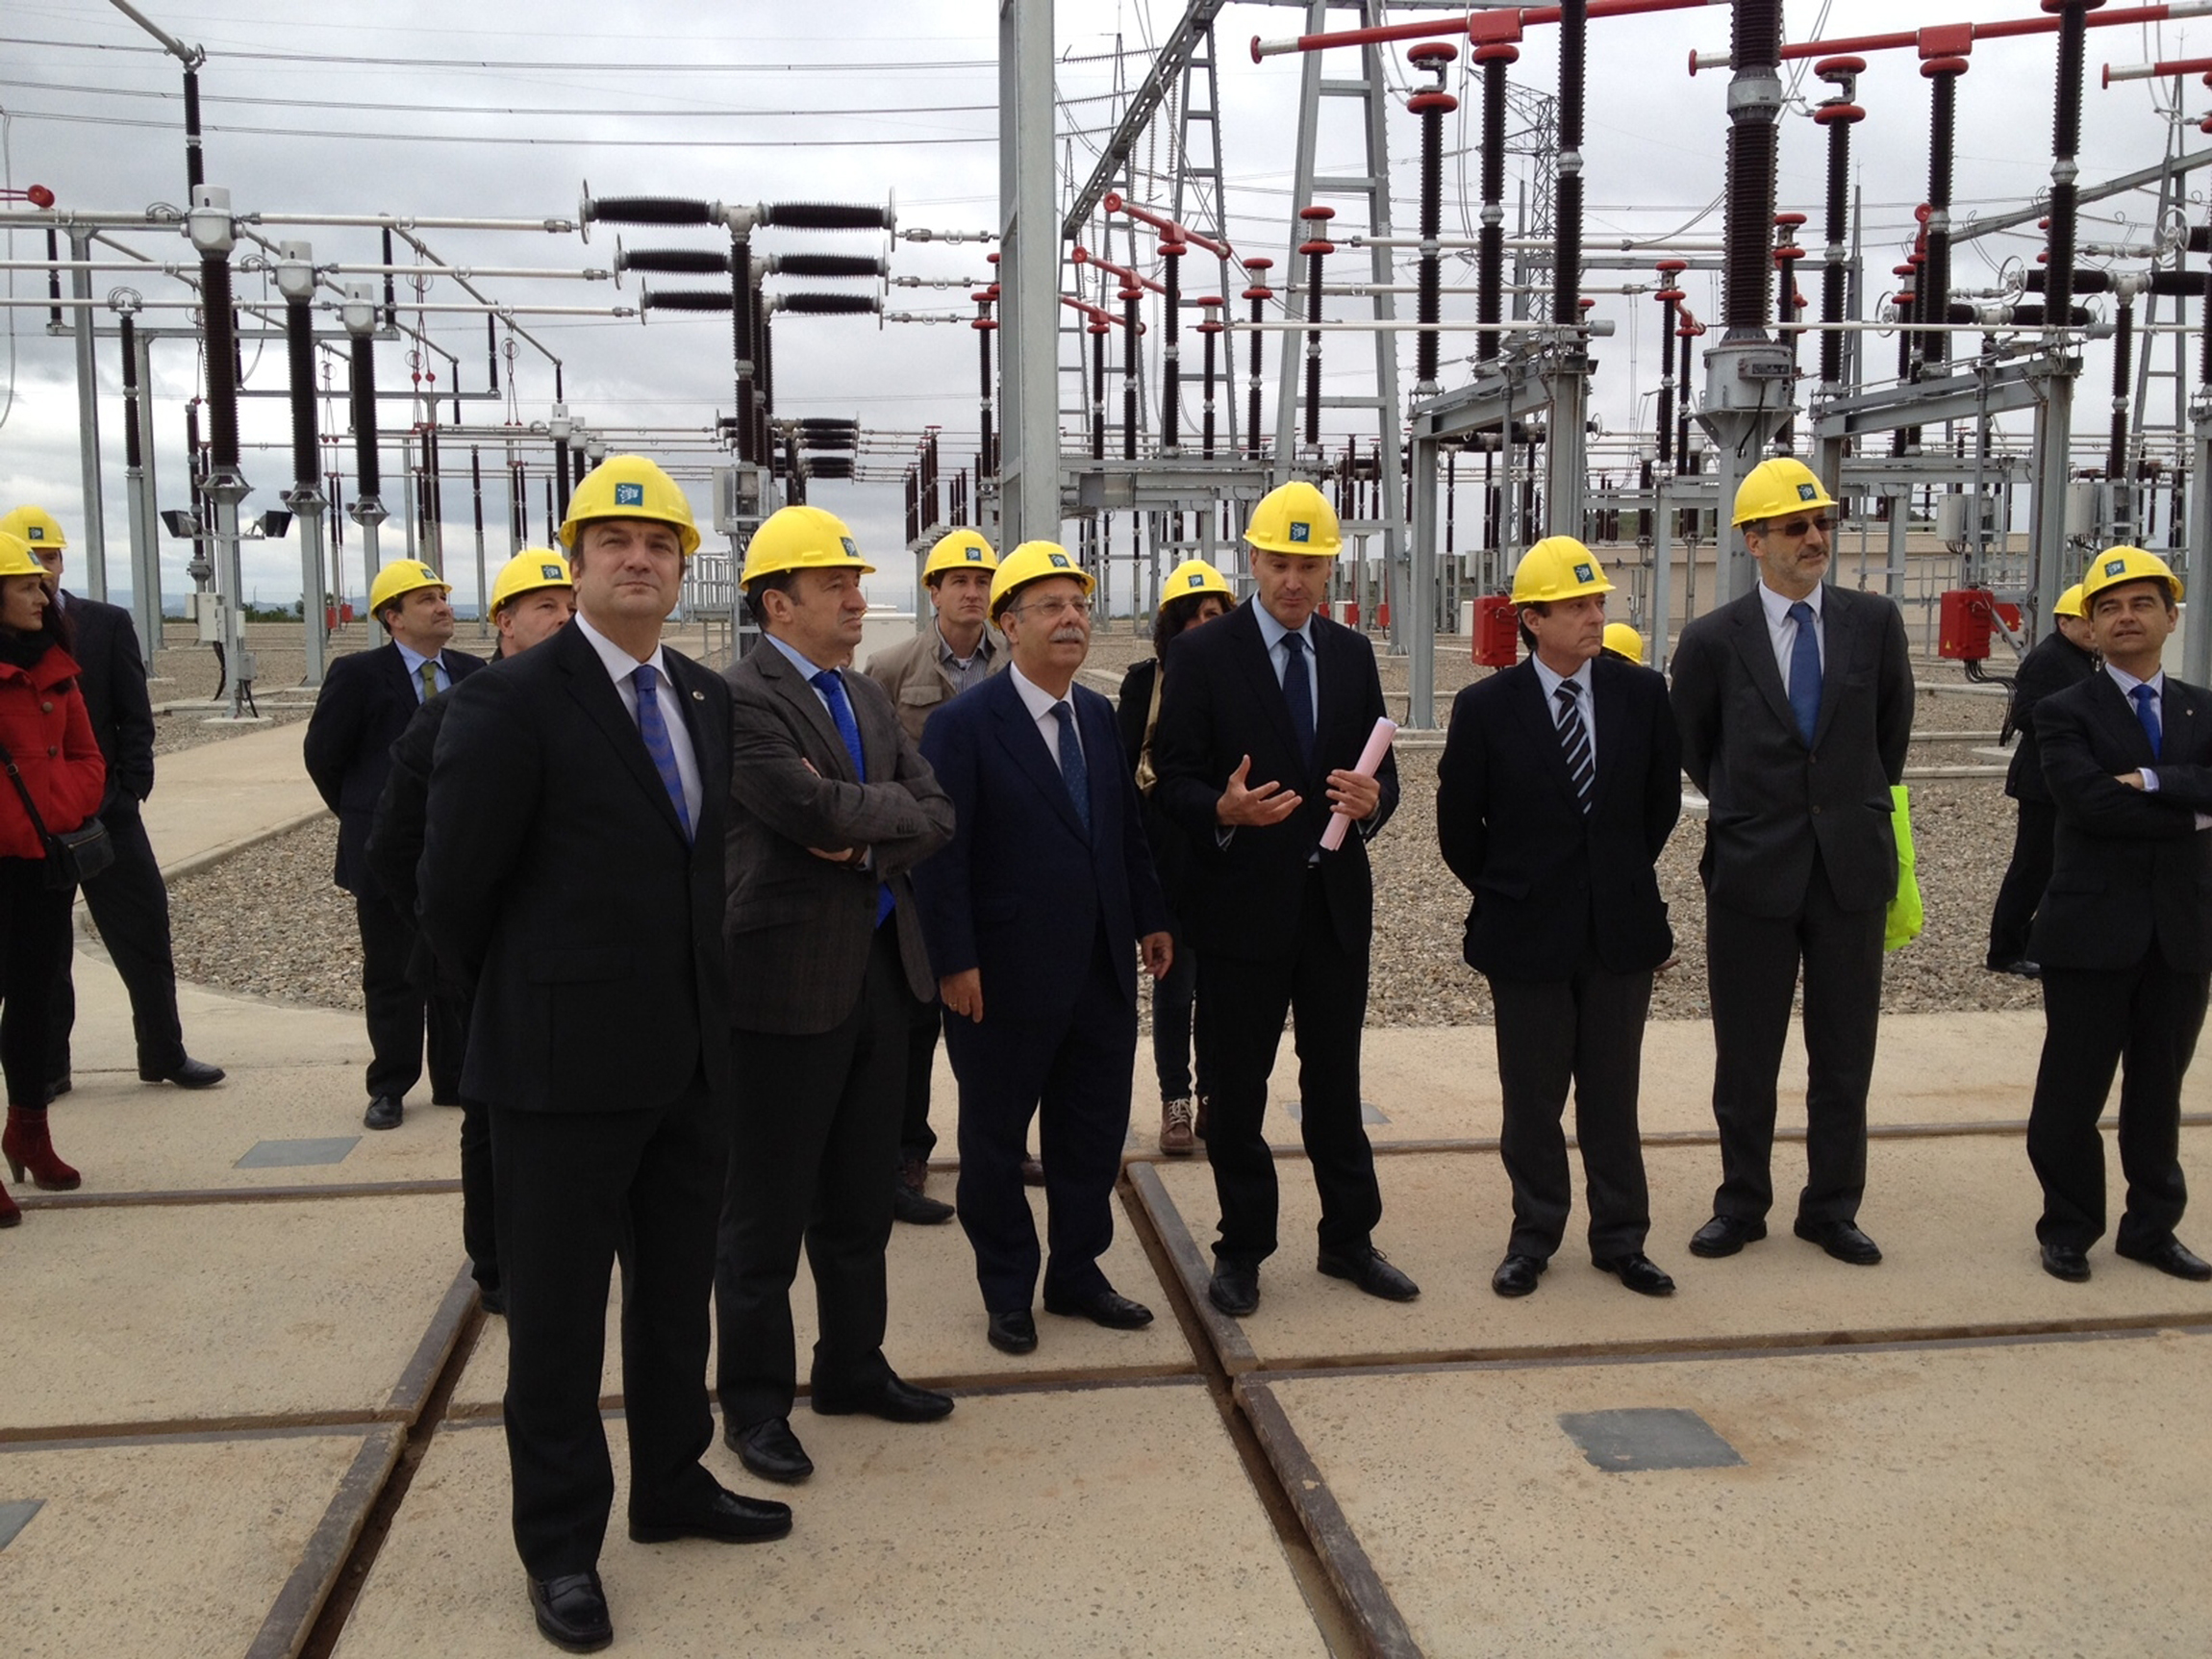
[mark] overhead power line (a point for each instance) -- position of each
(525, 141)
(419, 109)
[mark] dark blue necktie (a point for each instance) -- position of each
(1299, 690)
(1072, 771)
(832, 688)
(655, 731)
(1805, 674)
(2146, 711)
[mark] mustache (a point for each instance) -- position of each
(1069, 636)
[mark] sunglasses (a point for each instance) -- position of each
(1796, 529)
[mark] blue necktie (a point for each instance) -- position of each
(832, 688)
(1072, 771)
(1805, 674)
(2146, 711)
(1298, 689)
(655, 731)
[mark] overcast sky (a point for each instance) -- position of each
(864, 102)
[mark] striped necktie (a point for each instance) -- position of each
(1575, 742)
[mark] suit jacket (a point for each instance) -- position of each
(113, 676)
(1773, 800)
(366, 703)
(555, 874)
(1548, 879)
(918, 683)
(2054, 665)
(1020, 891)
(799, 928)
(2129, 867)
(1221, 701)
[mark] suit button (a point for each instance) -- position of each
(1816, 812)
(45, 708)
(51, 751)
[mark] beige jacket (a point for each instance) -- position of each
(917, 681)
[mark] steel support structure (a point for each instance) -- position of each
(1028, 276)
(94, 539)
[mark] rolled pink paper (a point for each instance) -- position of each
(1369, 763)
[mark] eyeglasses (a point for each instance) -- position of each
(1795, 529)
(1052, 609)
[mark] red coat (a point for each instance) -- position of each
(44, 728)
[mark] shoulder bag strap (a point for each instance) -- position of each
(32, 807)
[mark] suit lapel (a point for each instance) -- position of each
(1756, 647)
(1840, 620)
(594, 690)
(1539, 729)
(783, 679)
(1609, 700)
(1027, 744)
(2121, 722)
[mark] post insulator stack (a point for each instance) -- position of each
(1754, 100)
(1259, 293)
(2065, 142)
(1314, 248)
(1131, 294)
(1431, 104)
(1942, 60)
(1904, 438)
(2116, 448)
(1493, 34)
(1668, 296)
(1837, 114)
(1210, 328)
(1788, 303)
(1098, 330)
(987, 456)
(1567, 211)
(1171, 254)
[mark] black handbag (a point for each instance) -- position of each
(73, 857)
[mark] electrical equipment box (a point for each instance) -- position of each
(1497, 631)
(1965, 621)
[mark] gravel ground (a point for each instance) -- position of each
(271, 922)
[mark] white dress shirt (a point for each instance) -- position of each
(1585, 699)
(1039, 703)
(621, 667)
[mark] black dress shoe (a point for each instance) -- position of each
(1013, 1332)
(1517, 1275)
(2171, 1257)
(187, 1074)
(571, 1612)
(727, 1519)
(1841, 1240)
(2068, 1262)
(895, 1400)
(1371, 1270)
(385, 1112)
(1638, 1272)
(770, 1450)
(1725, 1235)
(58, 1087)
(1108, 1308)
(918, 1209)
(1234, 1289)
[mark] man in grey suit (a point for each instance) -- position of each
(830, 806)
(1796, 707)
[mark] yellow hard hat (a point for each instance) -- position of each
(530, 571)
(2070, 603)
(1624, 641)
(801, 538)
(1557, 568)
(1192, 577)
(1774, 488)
(34, 525)
(400, 578)
(1032, 561)
(17, 557)
(2117, 564)
(961, 550)
(629, 487)
(1295, 518)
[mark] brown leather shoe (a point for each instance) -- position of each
(1177, 1139)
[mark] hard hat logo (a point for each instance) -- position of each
(2114, 566)
(1197, 579)
(851, 552)
(1059, 560)
(1301, 531)
(38, 533)
(975, 555)
(552, 573)
(1583, 573)
(1807, 491)
(629, 496)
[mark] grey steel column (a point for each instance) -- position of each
(1028, 274)
(2197, 636)
(1419, 598)
(1662, 569)
(95, 532)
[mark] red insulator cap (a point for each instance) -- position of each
(1130, 290)
(1259, 293)
(994, 291)
(1846, 65)
(1671, 295)
(1790, 252)
(1259, 262)
(984, 322)
(1421, 102)
(1316, 212)
(1828, 114)
(1668, 266)
(984, 297)
(1209, 327)
(1209, 299)
(38, 196)
(2043, 225)
(1318, 246)
(991, 259)
(1099, 328)
(1173, 250)
(1791, 219)
(1496, 52)
(1921, 214)
(1931, 68)
(2206, 125)
(1904, 270)
(1585, 302)
(1432, 52)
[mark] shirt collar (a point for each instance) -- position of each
(415, 661)
(807, 667)
(1271, 632)
(2128, 682)
(1777, 605)
(1035, 697)
(618, 663)
(945, 653)
(1551, 682)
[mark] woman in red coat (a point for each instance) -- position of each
(44, 729)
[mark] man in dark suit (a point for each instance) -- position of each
(1035, 914)
(2124, 935)
(1794, 704)
(364, 705)
(2062, 658)
(830, 808)
(1560, 783)
(129, 901)
(1262, 716)
(533, 598)
(572, 868)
